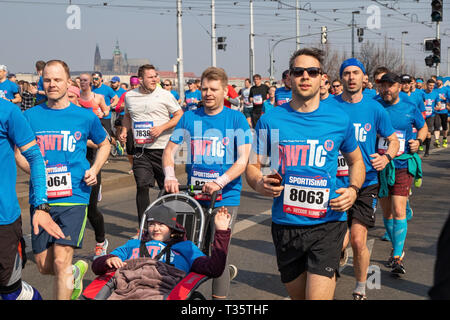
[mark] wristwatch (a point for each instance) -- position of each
(355, 188)
(388, 156)
(44, 207)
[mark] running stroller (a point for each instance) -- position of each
(196, 222)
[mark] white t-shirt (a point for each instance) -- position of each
(150, 110)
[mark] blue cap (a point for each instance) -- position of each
(115, 79)
(351, 62)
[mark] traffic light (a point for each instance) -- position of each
(221, 45)
(436, 51)
(360, 34)
(429, 44)
(436, 10)
(323, 38)
(429, 61)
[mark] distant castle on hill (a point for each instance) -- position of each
(119, 64)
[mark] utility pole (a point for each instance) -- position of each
(437, 37)
(353, 32)
(297, 19)
(448, 61)
(252, 43)
(403, 52)
(180, 67)
(213, 33)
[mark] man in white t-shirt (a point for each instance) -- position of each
(152, 113)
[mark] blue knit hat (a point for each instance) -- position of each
(351, 62)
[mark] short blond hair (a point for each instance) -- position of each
(214, 73)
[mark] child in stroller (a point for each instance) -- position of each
(165, 241)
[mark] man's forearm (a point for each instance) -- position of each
(102, 155)
(357, 173)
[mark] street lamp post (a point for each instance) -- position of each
(403, 51)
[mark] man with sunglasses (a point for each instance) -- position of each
(300, 140)
(324, 88)
(337, 87)
(369, 120)
(111, 100)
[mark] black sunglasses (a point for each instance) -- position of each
(312, 71)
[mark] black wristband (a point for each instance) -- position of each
(420, 141)
(388, 156)
(44, 207)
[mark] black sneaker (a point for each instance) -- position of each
(397, 266)
(426, 154)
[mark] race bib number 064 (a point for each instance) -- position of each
(59, 181)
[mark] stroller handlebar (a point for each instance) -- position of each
(191, 189)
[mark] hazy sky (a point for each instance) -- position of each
(36, 30)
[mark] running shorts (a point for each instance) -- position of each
(71, 218)
(147, 167)
(12, 250)
(440, 120)
(364, 207)
(430, 123)
(402, 185)
(315, 249)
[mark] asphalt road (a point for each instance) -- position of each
(252, 250)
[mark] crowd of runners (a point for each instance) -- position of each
(328, 151)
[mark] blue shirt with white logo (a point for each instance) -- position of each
(192, 99)
(369, 119)
(431, 99)
(62, 135)
(404, 115)
(8, 89)
(444, 97)
(213, 142)
(282, 95)
(303, 148)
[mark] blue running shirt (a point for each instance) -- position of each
(431, 99)
(14, 130)
(282, 95)
(192, 99)
(108, 93)
(404, 115)
(213, 143)
(62, 135)
(369, 119)
(303, 148)
(8, 89)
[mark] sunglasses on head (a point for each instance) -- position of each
(312, 71)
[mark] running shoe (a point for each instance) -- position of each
(113, 151)
(79, 270)
(426, 154)
(418, 182)
(119, 149)
(437, 144)
(397, 266)
(100, 249)
(233, 271)
(420, 148)
(444, 143)
(358, 296)
(390, 261)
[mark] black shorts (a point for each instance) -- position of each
(147, 167)
(315, 249)
(430, 123)
(12, 248)
(364, 207)
(440, 120)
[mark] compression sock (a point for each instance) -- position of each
(427, 145)
(25, 292)
(360, 288)
(409, 212)
(389, 225)
(399, 233)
